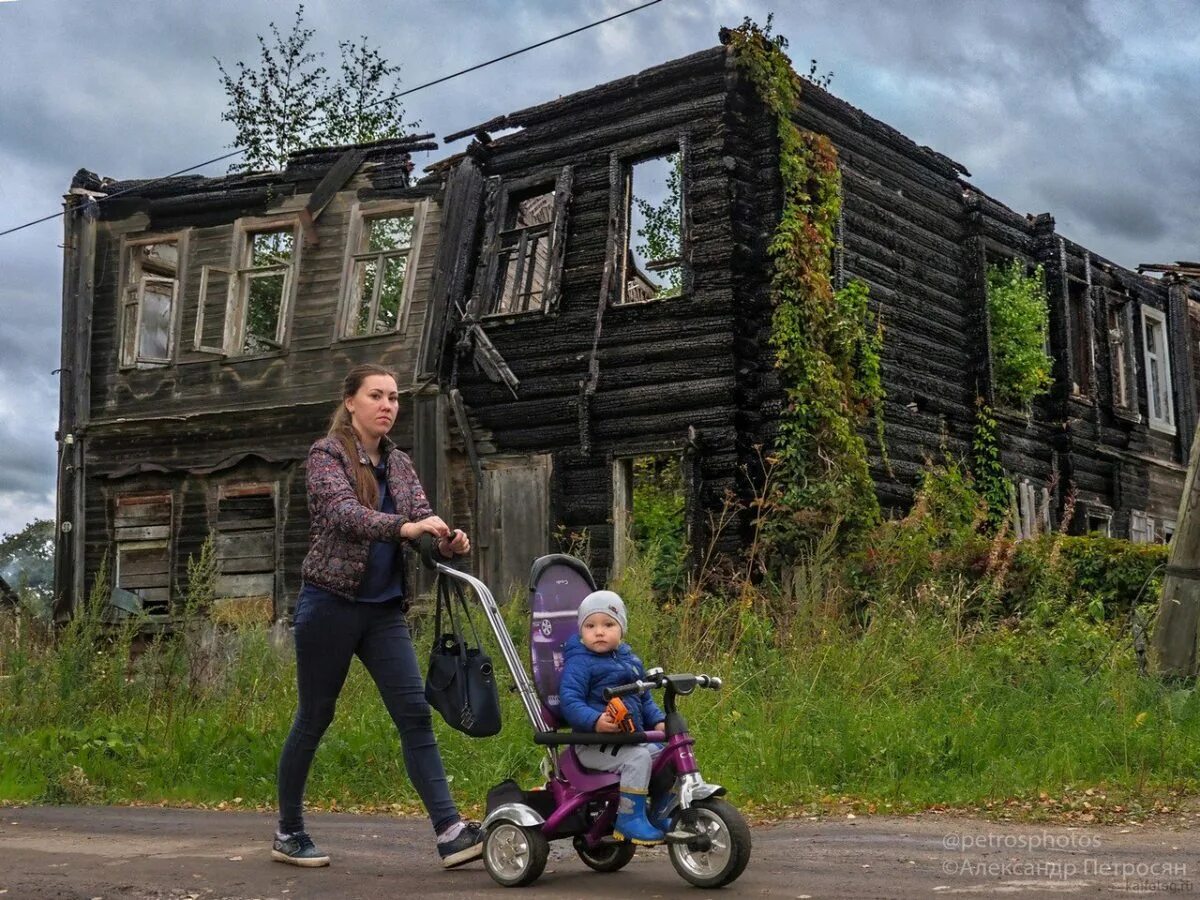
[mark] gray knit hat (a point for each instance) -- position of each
(605, 602)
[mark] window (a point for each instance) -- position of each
(652, 261)
(384, 246)
(258, 288)
(245, 541)
(1158, 370)
(1033, 509)
(1166, 531)
(142, 534)
(520, 268)
(524, 252)
(148, 303)
(1118, 343)
(1141, 527)
(1099, 523)
(1082, 362)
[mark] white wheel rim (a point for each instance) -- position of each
(711, 862)
(507, 850)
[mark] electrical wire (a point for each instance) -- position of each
(238, 152)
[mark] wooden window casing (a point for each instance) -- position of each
(1160, 403)
(246, 540)
(142, 557)
(520, 267)
(259, 288)
(150, 300)
(380, 267)
(633, 285)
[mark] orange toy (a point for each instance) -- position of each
(620, 714)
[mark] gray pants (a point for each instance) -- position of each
(633, 761)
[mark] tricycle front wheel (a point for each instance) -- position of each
(515, 855)
(605, 857)
(724, 851)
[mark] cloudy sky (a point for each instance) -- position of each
(1084, 109)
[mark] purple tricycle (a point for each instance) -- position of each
(708, 842)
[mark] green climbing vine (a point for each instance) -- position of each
(986, 467)
(826, 350)
(1019, 313)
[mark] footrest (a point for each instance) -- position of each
(697, 843)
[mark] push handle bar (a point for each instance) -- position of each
(427, 545)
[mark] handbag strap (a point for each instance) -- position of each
(443, 599)
(466, 610)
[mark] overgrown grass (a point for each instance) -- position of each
(924, 696)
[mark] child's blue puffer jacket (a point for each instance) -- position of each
(586, 675)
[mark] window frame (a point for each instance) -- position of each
(238, 274)
(157, 536)
(499, 194)
(495, 290)
(129, 349)
(361, 214)
(621, 212)
(1118, 309)
(1152, 317)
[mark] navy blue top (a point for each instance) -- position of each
(383, 582)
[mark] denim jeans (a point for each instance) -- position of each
(329, 631)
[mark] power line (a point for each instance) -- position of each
(238, 152)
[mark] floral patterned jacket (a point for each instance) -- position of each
(341, 529)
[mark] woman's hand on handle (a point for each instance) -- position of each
(411, 531)
(456, 543)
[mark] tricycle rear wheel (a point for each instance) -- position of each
(605, 857)
(728, 851)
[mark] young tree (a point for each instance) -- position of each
(27, 564)
(288, 101)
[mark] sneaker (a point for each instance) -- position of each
(464, 848)
(298, 850)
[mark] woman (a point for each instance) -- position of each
(364, 503)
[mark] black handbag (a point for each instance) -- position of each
(461, 681)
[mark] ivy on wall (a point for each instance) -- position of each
(826, 347)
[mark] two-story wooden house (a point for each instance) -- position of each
(549, 329)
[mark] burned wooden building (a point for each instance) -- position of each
(549, 330)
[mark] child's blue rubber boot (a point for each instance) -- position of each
(632, 824)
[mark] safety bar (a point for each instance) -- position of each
(561, 738)
(681, 684)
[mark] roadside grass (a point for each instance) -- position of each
(915, 699)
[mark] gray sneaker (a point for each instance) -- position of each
(298, 850)
(464, 848)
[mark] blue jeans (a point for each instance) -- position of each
(329, 631)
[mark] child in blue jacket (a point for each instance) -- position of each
(597, 658)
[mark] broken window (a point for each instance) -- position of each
(652, 264)
(520, 268)
(650, 518)
(1166, 531)
(1141, 527)
(382, 262)
(1032, 510)
(264, 284)
(142, 535)
(1082, 363)
(257, 292)
(1099, 523)
(524, 252)
(1158, 370)
(148, 303)
(245, 541)
(1118, 343)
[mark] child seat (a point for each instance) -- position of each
(557, 585)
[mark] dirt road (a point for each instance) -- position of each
(99, 852)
